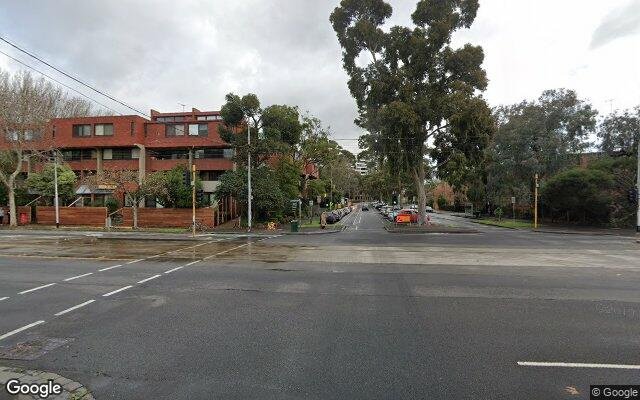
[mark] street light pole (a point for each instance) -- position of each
(249, 216)
(55, 184)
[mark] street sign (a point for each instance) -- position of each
(310, 203)
(513, 200)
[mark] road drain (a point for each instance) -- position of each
(32, 349)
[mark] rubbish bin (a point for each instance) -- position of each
(295, 226)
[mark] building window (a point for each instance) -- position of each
(210, 175)
(168, 155)
(135, 153)
(209, 118)
(121, 154)
(103, 130)
(132, 128)
(78, 155)
(198, 130)
(107, 154)
(174, 130)
(81, 130)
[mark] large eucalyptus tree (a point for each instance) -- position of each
(416, 95)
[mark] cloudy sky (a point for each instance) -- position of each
(156, 54)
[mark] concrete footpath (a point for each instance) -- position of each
(68, 389)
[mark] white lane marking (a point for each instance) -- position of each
(68, 310)
(3, 298)
(150, 278)
(117, 291)
(38, 288)
(576, 365)
(134, 261)
(108, 268)
(226, 251)
(77, 277)
(191, 263)
(24, 328)
(173, 270)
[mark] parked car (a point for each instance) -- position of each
(365, 207)
(406, 215)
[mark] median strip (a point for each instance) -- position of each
(78, 277)
(24, 328)
(38, 288)
(74, 308)
(117, 291)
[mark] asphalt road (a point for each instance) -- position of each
(361, 314)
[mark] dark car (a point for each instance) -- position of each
(365, 207)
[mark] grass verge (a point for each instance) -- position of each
(506, 223)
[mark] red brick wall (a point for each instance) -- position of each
(168, 217)
(90, 216)
(21, 210)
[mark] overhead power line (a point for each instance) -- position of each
(58, 82)
(73, 78)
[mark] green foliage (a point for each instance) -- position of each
(623, 172)
(43, 182)
(579, 195)
(169, 189)
(288, 173)
(620, 132)
(442, 201)
(542, 137)
(275, 130)
(498, 212)
(268, 199)
(416, 87)
(112, 205)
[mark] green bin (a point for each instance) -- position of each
(295, 226)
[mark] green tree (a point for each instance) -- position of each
(169, 189)
(44, 183)
(619, 132)
(416, 89)
(543, 136)
(275, 130)
(579, 195)
(268, 199)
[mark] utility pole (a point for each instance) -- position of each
(249, 216)
(193, 199)
(55, 184)
(535, 209)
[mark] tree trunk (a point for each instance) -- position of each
(418, 176)
(13, 212)
(134, 209)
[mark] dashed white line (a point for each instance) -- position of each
(150, 278)
(68, 310)
(173, 270)
(24, 328)
(78, 277)
(117, 291)
(37, 288)
(108, 268)
(576, 365)
(134, 261)
(226, 251)
(191, 263)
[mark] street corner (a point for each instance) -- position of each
(23, 384)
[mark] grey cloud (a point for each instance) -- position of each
(622, 22)
(156, 53)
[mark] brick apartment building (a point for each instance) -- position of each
(93, 144)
